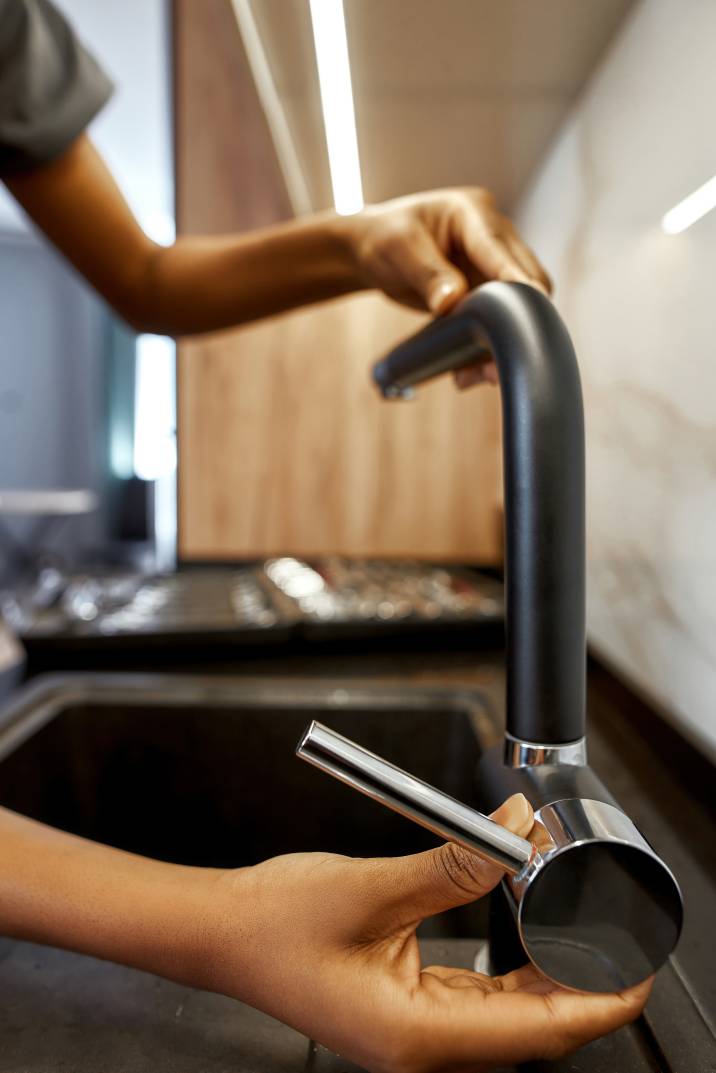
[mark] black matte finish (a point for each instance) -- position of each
(544, 490)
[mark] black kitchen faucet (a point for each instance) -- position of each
(595, 908)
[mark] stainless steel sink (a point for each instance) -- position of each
(202, 771)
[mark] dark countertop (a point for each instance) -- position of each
(61, 1011)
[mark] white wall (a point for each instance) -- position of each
(641, 306)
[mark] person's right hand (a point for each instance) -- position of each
(427, 250)
(327, 944)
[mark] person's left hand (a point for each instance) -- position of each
(428, 250)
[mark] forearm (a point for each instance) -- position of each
(196, 285)
(65, 891)
(203, 284)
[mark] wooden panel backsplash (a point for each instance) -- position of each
(284, 445)
(287, 447)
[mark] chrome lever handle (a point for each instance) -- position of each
(414, 799)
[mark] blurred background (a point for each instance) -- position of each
(253, 483)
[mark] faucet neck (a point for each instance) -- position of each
(543, 444)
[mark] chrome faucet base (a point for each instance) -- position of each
(520, 754)
(596, 910)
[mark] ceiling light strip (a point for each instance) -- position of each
(691, 209)
(334, 77)
(273, 108)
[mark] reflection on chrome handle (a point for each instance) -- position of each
(441, 814)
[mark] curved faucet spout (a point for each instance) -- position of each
(543, 445)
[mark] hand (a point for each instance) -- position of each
(327, 944)
(424, 250)
(427, 250)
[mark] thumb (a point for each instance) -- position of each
(423, 267)
(450, 875)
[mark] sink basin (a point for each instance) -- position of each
(202, 771)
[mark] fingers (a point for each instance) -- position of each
(495, 248)
(527, 260)
(515, 814)
(482, 372)
(565, 1020)
(460, 978)
(490, 253)
(420, 263)
(526, 978)
(431, 882)
(427, 249)
(517, 1018)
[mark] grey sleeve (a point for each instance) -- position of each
(50, 86)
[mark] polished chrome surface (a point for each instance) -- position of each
(412, 798)
(597, 910)
(529, 753)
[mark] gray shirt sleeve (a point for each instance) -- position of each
(50, 86)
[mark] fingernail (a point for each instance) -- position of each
(465, 378)
(440, 293)
(514, 813)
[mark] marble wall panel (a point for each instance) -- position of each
(641, 306)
